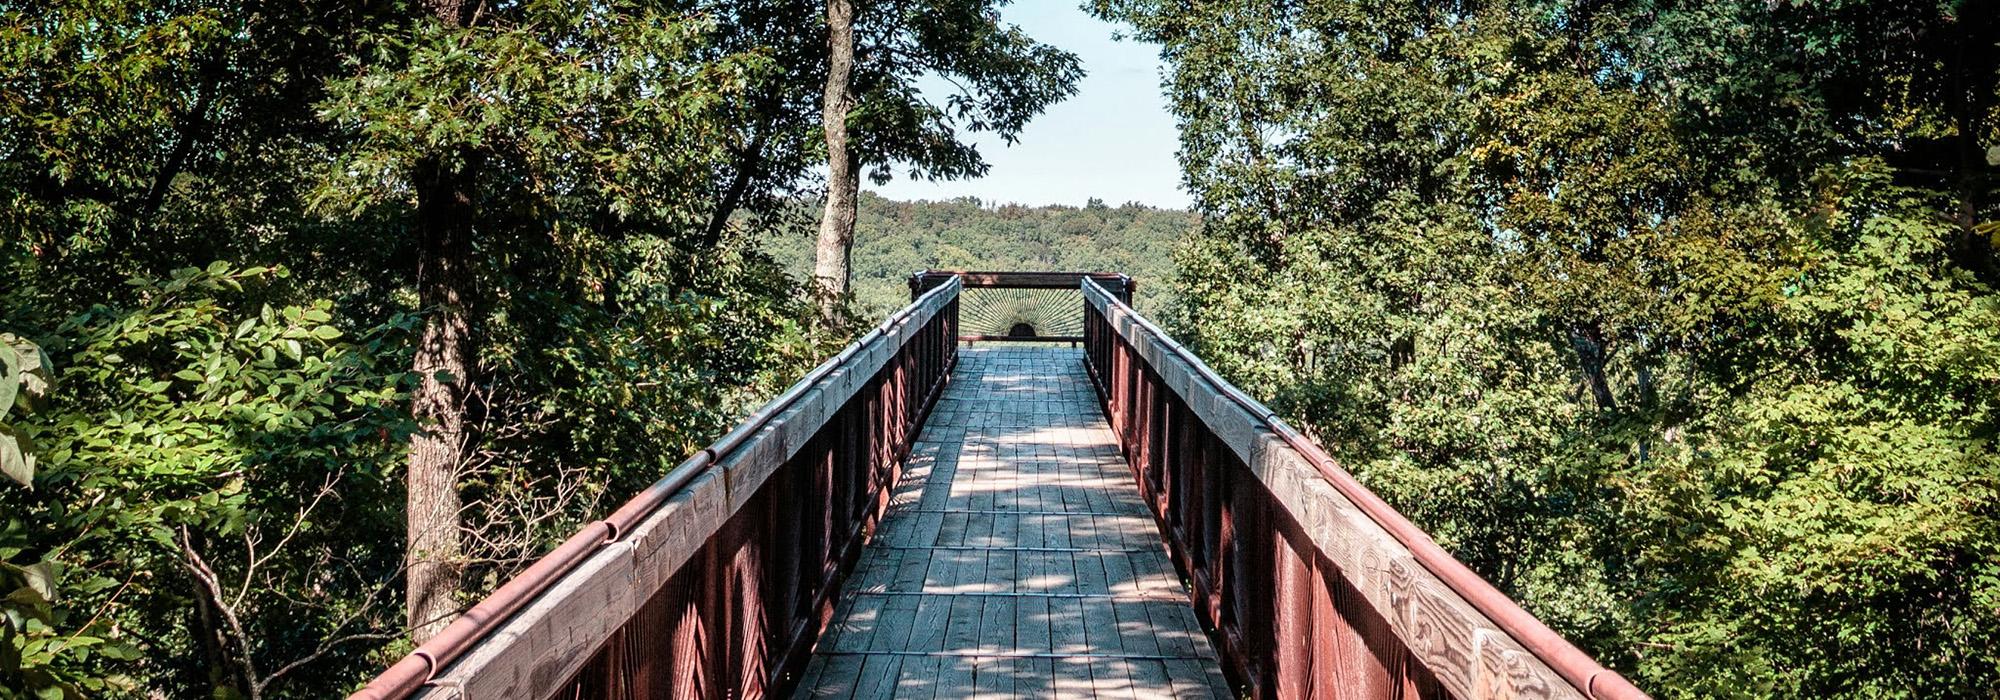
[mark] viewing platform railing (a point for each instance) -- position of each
(1035, 307)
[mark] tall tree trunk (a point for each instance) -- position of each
(444, 222)
(444, 187)
(1973, 66)
(1592, 357)
(836, 224)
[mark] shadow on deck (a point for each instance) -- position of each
(1016, 559)
(913, 519)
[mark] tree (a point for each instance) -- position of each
(1001, 77)
(1637, 308)
(262, 245)
(182, 511)
(445, 184)
(843, 182)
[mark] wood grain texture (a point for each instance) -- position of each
(1023, 563)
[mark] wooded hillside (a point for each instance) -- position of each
(894, 239)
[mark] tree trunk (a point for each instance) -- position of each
(750, 163)
(1592, 357)
(843, 186)
(444, 187)
(1972, 68)
(444, 222)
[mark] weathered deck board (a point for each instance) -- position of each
(1017, 559)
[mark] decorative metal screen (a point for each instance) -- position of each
(1021, 313)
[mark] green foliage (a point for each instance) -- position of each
(894, 239)
(206, 333)
(576, 100)
(1677, 323)
(1003, 79)
(25, 379)
(200, 410)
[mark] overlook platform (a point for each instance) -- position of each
(1016, 559)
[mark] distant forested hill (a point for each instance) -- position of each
(894, 239)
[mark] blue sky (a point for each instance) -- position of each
(1113, 140)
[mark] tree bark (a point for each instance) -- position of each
(1592, 358)
(1972, 67)
(836, 226)
(432, 552)
(750, 163)
(444, 228)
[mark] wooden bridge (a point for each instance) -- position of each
(919, 519)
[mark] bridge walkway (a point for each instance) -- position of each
(1016, 559)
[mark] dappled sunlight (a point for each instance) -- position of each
(1016, 558)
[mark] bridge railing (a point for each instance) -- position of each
(1311, 585)
(1022, 306)
(715, 581)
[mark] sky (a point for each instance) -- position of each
(1113, 140)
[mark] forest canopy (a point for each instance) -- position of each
(318, 320)
(1677, 321)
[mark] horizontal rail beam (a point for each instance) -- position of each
(1122, 597)
(998, 654)
(1023, 338)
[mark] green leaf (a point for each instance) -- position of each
(10, 377)
(17, 459)
(29, 375)
(41, 579)
(119, 651)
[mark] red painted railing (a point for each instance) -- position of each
(1310, 584)
(715, 581)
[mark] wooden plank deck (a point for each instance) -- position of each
(1017, 559)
